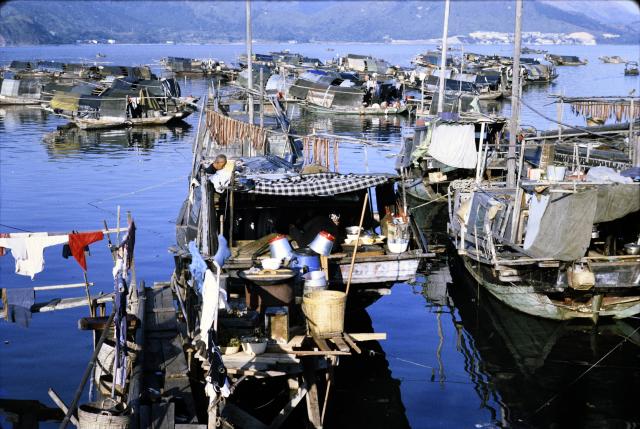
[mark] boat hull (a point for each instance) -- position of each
(528, 299)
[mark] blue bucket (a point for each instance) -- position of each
(304, 261)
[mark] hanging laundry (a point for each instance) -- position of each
(197, 267)
(128, 243)
(2, 249)
(27, 249)
(17, 303)
(79, 242)
(454, 145)
(121, 291)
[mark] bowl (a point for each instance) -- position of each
(253, 345)
(397, 246)
(632, 249)
(271, 263)
(352, 230)
(229, 350)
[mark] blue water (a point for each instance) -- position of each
(77, 182)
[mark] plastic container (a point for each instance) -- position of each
(253, 345)
(304, 261)
(314, 280)
(323, 243)
(398, 245)
(279, 247)
(324, 310)
(271, 263)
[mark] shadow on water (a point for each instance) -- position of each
(543, 372)
(72, 140)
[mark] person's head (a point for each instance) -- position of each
(220, 162)
(335, 218)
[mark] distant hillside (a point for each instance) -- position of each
(40, 22)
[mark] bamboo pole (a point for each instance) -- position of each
(515, 99)
(443, 60)
(85, 376)
(60, 403)
(55, 287)
(355, 248)
(92, 310)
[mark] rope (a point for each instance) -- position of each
(553, 398)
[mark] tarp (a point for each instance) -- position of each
(10, 87)
(564, 229)
(454, 145)
(616, 201)
(319, 184)
(65, 101)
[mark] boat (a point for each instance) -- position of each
(277, 183)
(614, 59)
(125, 102)
(631, 68)
(565, 60)
(20, 91)
(558, 247)
(528, 50)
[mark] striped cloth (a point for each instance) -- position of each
(318, 184)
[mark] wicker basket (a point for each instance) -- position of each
(324, 310)
(106, 414)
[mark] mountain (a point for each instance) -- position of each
(43, 22)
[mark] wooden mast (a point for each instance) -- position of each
(443, 59)
(515, 99)
(249, 61)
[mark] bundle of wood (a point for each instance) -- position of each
(316, 151)
(227, 131)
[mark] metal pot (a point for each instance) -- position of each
(304, 261)
(279, 247)
(323, 243)
(632, 248)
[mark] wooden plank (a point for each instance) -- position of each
(342, 346)
(320, 353)
(293, 403)
(251, 249)
(352, 343)
(66, 303)
(373, 336)
(174, 360)
(313, 404)
(241, 418)
(322, 344)
(190, 426)
(296, 341)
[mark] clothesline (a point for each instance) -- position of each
(52, 234)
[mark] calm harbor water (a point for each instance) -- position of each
(453, 357)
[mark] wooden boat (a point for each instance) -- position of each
(375, 109)
(631, 68)
(565, 60)
(614, 59)
(20, 91)
(537, 247)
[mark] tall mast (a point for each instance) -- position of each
(443, 60)
(515, 99)
(249, 60)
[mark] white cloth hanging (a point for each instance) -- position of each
(454, 145)
(28, 248)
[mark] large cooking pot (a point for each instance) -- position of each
(304, 260)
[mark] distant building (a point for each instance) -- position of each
(111, 41)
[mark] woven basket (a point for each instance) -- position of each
(105, 414)
(324, 310)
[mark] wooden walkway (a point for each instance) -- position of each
(166, 401)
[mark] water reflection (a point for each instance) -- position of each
(70, 140)
(14, 117)
(540, 371)
(365, 394)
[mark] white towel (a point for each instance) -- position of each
(454, 145)
(27, 249)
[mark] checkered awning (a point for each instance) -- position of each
(319, 184)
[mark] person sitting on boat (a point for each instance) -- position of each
(313, 226)
(221, 173)
(133, 108)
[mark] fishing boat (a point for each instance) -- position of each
(561, 243)
(20, 91)
(565, 60)
(631, 68)
(614, 59)
(558, 241)
(275, 183)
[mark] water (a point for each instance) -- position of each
(449, 360)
